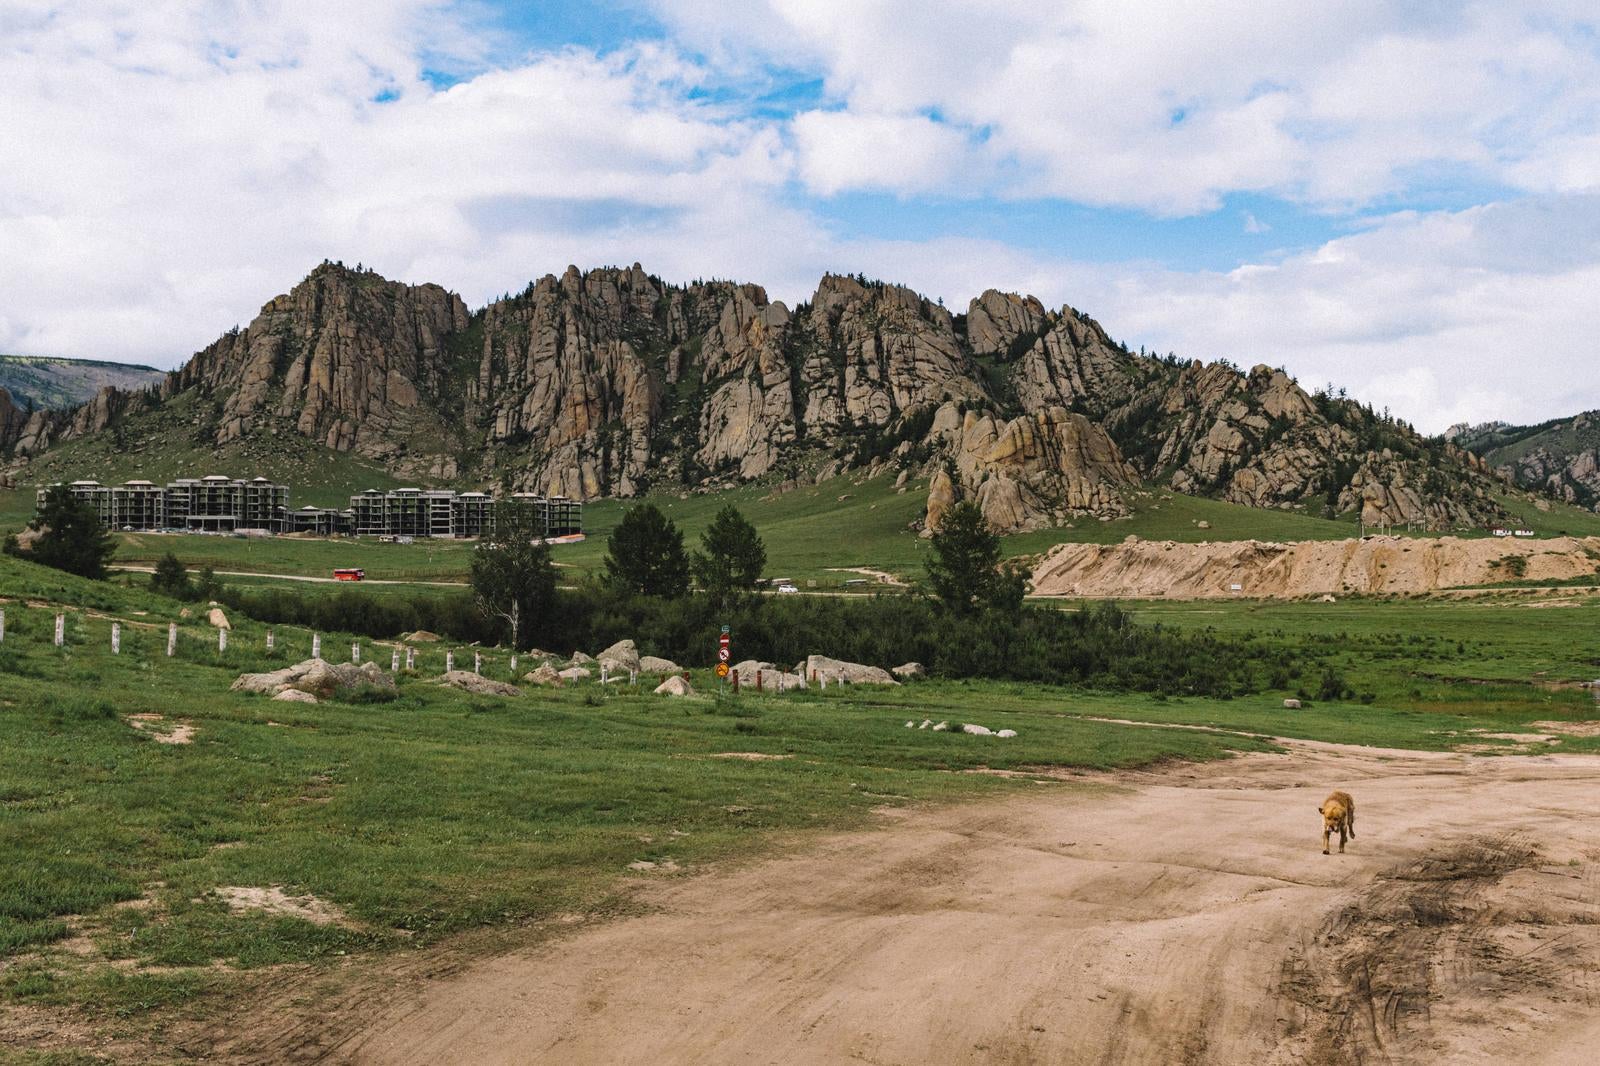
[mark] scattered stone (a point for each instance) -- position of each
(977, 730)
(1006, 733)
(665, 866)
(1328, 599)
(321, 679)
(926, 722)
(909, 671)
(622, 656)
(217, 618)
(674, 686)
(942, 727)
(575, 673)
(911, 725)
(1291, 704)
(820, 666)
(1203, 524)
(293, 695)
(544, 675)
(771, 679)
(650, 664)
(421, 636)
(579, 659)
(467, 681)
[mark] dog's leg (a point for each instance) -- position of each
(1324, 840)
(1351, 818)
(1341, 838)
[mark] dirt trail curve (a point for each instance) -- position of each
(1184, 916)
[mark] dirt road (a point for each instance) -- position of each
(1184, 916)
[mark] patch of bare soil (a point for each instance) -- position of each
(154, 726)
(1184, 915)
(273, 900)
(748, 756)
(1572, 729)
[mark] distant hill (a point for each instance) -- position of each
(56, 384)
(1561, 457)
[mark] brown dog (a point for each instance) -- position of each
(1338, 814)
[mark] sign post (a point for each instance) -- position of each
(724, 655)
(61, 630)
(116, 638)
(316, 645)
(172, 638)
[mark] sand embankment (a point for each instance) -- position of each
(1145, 568)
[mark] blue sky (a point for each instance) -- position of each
(1401, 198)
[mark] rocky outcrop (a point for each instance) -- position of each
(822, 668)
(317, 677)
(1032, 471)
(613, 382)
(467, 681)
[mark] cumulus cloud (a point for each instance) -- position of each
(1168, 108)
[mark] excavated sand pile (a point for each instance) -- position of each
(1147, 569)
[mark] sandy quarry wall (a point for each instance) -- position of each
(1148, 569)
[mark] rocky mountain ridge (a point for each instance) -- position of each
(1560, 458)
(613, 382)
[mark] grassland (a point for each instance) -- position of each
(437, 812)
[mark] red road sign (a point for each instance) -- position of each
(723, 640)
(722, 655)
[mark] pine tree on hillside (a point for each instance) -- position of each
(733, 557)
(171, 578)
(964, 571)
(646, 555)
(71, 537)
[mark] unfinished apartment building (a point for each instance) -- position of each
(215, 504)
(415, 512)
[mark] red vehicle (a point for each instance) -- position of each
(350, 574)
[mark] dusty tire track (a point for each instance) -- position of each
(1180, 916)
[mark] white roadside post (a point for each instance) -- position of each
(477, 662)
(172, 639)
(116, 638)
(222, 640)
(605, 674)
(394, 662)
(633, 676)
(2, 625)
(269, 640)
(449, 661)
(61, 630)
(411, 658)
(513, 664)
(355, 652)
(316, 645)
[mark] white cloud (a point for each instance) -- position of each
(1444, 317)
(1170, 107)
(840, 150)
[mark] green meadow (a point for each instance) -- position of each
(436, 813)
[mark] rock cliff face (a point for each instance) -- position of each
(612, 382)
